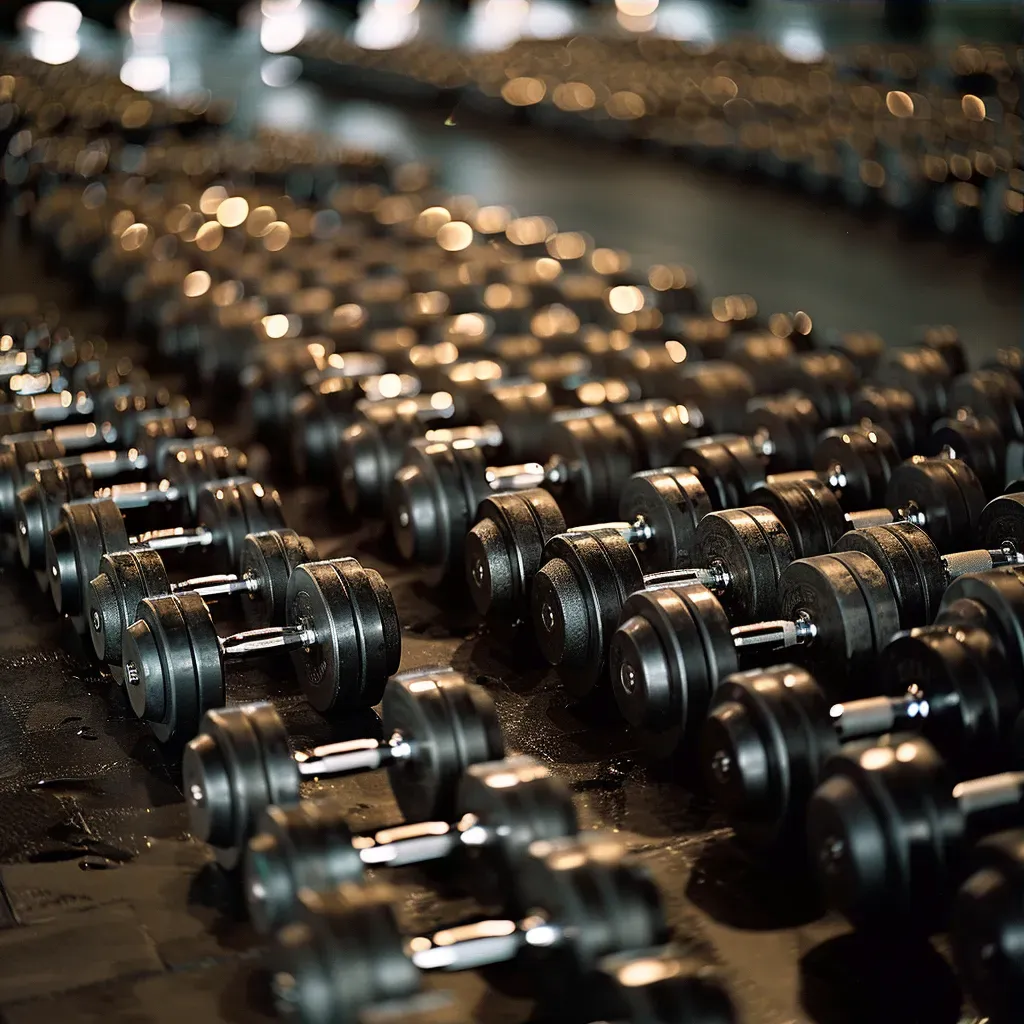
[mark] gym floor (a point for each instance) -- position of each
(109, 911)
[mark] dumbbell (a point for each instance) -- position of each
(985, 925)
(267, 560)
(186, 468)
(501, 807)
(854, 462)
(370, 451)
(436, 492)
(436, 722)
(768, 732)
(978, 441)
(505, 547)
(341, 630)
(674, 644)
(941, 496)
(924, 372)
(587, 577)
(889, 831)
(588, 900)
(895, 411)
(226, 511)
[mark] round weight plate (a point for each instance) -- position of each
(358, 636)
(977, 442)
(807, 509)
(366, 462)
(671, 502)
(1000, 593)
(761, 748)
(987, 922)
(667, 656)
(264, 563)
(753, 548)
(207, 671)
(522, 415)
(305, 846)
(839, 594)
(1002, 522)
(829, 380)
(577, 597)
(912, 566)
(884, 831)
(504, 549)
(720, 389)
(895, 411)
(657, 432)
(726, 465)
(857, 462)
(791, 423)
(261, 511)
(946, 495)
(37, 509)
(449, 724)
(921, 371)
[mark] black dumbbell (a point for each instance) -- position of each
(589, 902)
(923, 372)
(978, 441)
(895, 411)
(436, 722)
(186, 469)
(941, 496)
(341, 630)
(769, 732)
(919, 576)
(510, 418)
(889, 829)
(267, 560)
(986, 926)
(674, 644)
(437, 491)
(225, 511)
(505, 547)
(587, 577)
(784, 428)
(501, 807)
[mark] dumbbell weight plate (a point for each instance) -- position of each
(726, 466)
(847, 597)
(601, 457)
(911, 563)
(1001, 521)
(37, 511)
(504, 550)
(673, 646)
(880, 826)
(895, 411)
(921, 371)
(987, 924)
(867, 456)
(14, 457)
(807, 509)
(304, 846)
(948, 494)
(576, 600)
(124, 578)
(751, 544)
(231, 510)
(352, 925)
(672, 502)
(998, 595)
(658, 432)
(358, 636)
(792, 423)
(450, 724)
(977, 442)
(191, 467)
(766, 735)
(268, 558)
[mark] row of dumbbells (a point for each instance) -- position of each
(578, 912)
(939, 159)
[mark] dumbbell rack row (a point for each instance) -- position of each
(528, 725)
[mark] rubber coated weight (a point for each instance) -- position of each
(994, 602)
(767, 734)
(896, 412)
(657, 431)
(857, 462)
(719, 388)
(752, 546)
(160, 677)
(37, 511)
(886, 834)
(945, 493)
(847, 598)
(807, 509)
(791, 423)
(978, 442)
(451, 724)
(994, 394)
(231, 510)
(727, 467)
(828, 379)
(673, 646)
(923, 373)
(268, 559)
(912, 565)
(504, 549)
(358, 641)
(1001, 521)
(124, 578)
(189, 467)
(987, 922)
(577, 596)
(671, 502)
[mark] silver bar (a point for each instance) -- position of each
(992, 793)
(429, 844)
(488, 435)
(780, 633)
(175, 538)
(140, 495)
(256, 642)
(515, 478)
(215, 586)
(869, 517)
(351, 756)
(876, 715)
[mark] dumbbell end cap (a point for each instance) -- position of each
(269, 894)
(489, 569)
(8, 492)
(62, 571)
(30, 527)
(560, 617)
(640, 674)
(203, 780)
(143, 672)
(104, 620)
(733, 761)
(361, 475)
